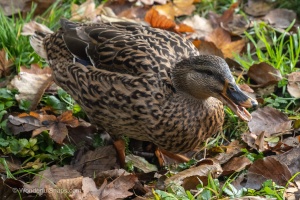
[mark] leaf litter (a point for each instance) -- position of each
(270, 129)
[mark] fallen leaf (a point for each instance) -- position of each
(207, 48)
(75, 188)
(292, 159)
(140, 163)
(229, 21)
(10, 7)
(157, 20)
(205, 167)
(235, 164)
(267, 168)
(118, 188)
(87, 10)
(176, 8)
(294, 84)
(258, 8)
(13, 164)
(109, 175)
(222, 40)
(237, 26)
(183, 28)
(246, 88)
(280, 18)
(31, 84)
(202, 27)
(39, 122)
(50, 177)
(270, 121)
(232, 150)
(264, 74)
(93, 162)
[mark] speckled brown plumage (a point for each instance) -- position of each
(145, 83)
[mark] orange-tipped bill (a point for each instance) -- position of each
(237, 101)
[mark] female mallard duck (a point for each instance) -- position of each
(145, 83)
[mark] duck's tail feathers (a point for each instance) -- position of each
(38, 33)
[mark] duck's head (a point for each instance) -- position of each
(207, 76)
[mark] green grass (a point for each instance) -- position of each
(16, 46)
(280, 50)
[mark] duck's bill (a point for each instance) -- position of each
(239, 109)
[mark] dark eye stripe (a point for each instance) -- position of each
(210, 73)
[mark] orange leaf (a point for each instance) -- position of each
(159, 21)
(183, 28)
(222, 40)
(68, 119)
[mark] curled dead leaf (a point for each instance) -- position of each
(270, 121)
(31, 84)
(222, 40)
(280, 18)
(258, 7)
(157, 20)
(264, 74)
(205, 167)
(267, 168)
(235, 164)
(202, 27)
(176, 8)
(207, 48)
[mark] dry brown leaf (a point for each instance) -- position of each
(31, 84)
(39, 122)
(232, 150)
(234, 24)
(12, 162)
(294, 84)
(202, 27)
(118, 188)
(207, 48)
(264, 74)
(50, 177)
(237, 26)
(22, 124)
(183, 28)
(201, 171)
(270, 121)
(292, 159)
(157, 20)
(63, 188)
(93, 162)
(267, 168)
(246, 88)
(75, 188)
(176, 8)
(280, 18)
(258, 7)
(222, 40)
(86, 11)
(11, 7)
(235, 164)
(5, 64)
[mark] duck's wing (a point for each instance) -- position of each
(127, 48)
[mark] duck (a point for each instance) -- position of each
(141, 82)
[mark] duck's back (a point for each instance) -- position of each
(127, 48)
